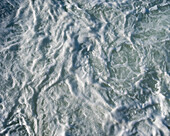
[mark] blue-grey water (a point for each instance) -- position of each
(84, 67)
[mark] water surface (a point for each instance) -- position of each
(84, 68)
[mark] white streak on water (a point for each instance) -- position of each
(71, 68)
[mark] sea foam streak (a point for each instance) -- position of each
(94, 68)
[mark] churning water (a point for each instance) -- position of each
(84, 67)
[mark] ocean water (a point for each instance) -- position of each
(84, 67)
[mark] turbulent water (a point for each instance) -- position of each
(84, 67)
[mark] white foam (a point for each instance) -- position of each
(89, 69)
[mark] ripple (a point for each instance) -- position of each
(84, 68)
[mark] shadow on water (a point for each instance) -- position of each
(8, 8)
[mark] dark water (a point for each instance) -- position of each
(84, 68)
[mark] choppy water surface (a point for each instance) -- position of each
(84, 67)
